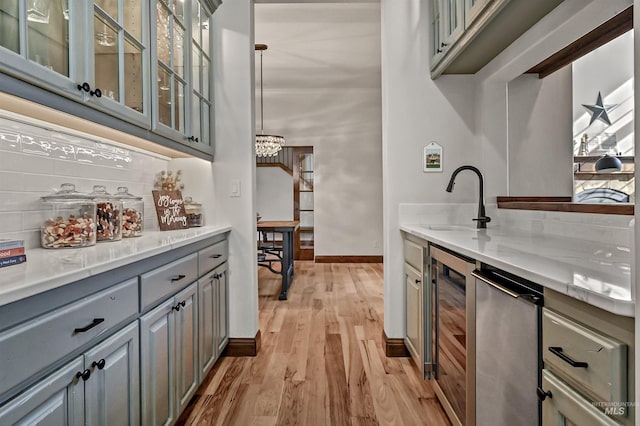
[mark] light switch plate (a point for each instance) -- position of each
(235, 188)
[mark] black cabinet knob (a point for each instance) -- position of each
(84, 375)
(193, 139)
(84, 86)
(176, 308)
(217, 276)
(183, 303)
(439, 50)
(418, 281)
(100, 364)
(97, 93)
(542, 395)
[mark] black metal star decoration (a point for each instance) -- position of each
(599, 111)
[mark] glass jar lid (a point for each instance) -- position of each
(67, 192)
(100, 191)
(188, 201)
(123, 193)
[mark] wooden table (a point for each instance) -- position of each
(286, 228)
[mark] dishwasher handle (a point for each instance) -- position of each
(496, 285)
(523, 294)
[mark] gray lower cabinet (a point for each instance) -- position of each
(169, 357)
(112, 393)
(212, 289)
(415, 300)
(187, 379)
(101, 387)
(127, 353)
(565, 406)
(55, 400)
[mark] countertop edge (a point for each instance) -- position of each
(43, 283)
(615, 306)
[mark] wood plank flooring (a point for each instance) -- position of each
(321, 361)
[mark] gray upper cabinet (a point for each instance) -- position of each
(42, 42)
(94, 52)
(118, 59)
(467, 34)
(146, 62)
(447, 26)
(181, 71)
(473, 8)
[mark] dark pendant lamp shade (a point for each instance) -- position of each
(608, 164)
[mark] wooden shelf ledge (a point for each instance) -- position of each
(563, 204)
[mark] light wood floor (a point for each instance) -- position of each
(321, 361)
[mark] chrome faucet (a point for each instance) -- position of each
(482, 218)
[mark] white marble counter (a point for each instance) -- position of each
(48, 269)
(593, 272)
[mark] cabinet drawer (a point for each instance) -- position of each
(213, 256)
(566, 406)
(165, 281)
(62, 331)
(602, 368)
(413, 254)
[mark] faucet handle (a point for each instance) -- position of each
(483, 219)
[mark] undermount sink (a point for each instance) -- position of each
(451, 228)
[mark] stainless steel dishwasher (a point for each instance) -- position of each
(508, 345)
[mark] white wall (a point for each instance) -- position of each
(235, 157)
(274, 193)
(568, 22)
(416, 110)
(322, 89)
(608, 70)
(540, 154)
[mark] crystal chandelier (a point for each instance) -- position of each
(266, 145)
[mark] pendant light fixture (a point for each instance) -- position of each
(266, 145)
(608, 164)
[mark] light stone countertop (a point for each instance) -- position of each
(595, 273)
(46, 269)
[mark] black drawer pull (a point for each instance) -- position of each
(83, 374)
(217, 276)
(542, 395)
(95, 322)
(418, 281)
(215, 256)
(178, 278)
(100, 364)
(557, 350)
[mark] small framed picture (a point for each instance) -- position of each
(432, 158)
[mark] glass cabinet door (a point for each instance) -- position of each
(119, 45)
(168, 68)
(201, 98)
(39, 42)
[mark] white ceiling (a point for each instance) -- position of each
(314, 44)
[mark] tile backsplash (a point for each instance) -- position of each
(36, 159)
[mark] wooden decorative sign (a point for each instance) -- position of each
(170, 210)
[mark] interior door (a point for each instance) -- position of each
(303, 205)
